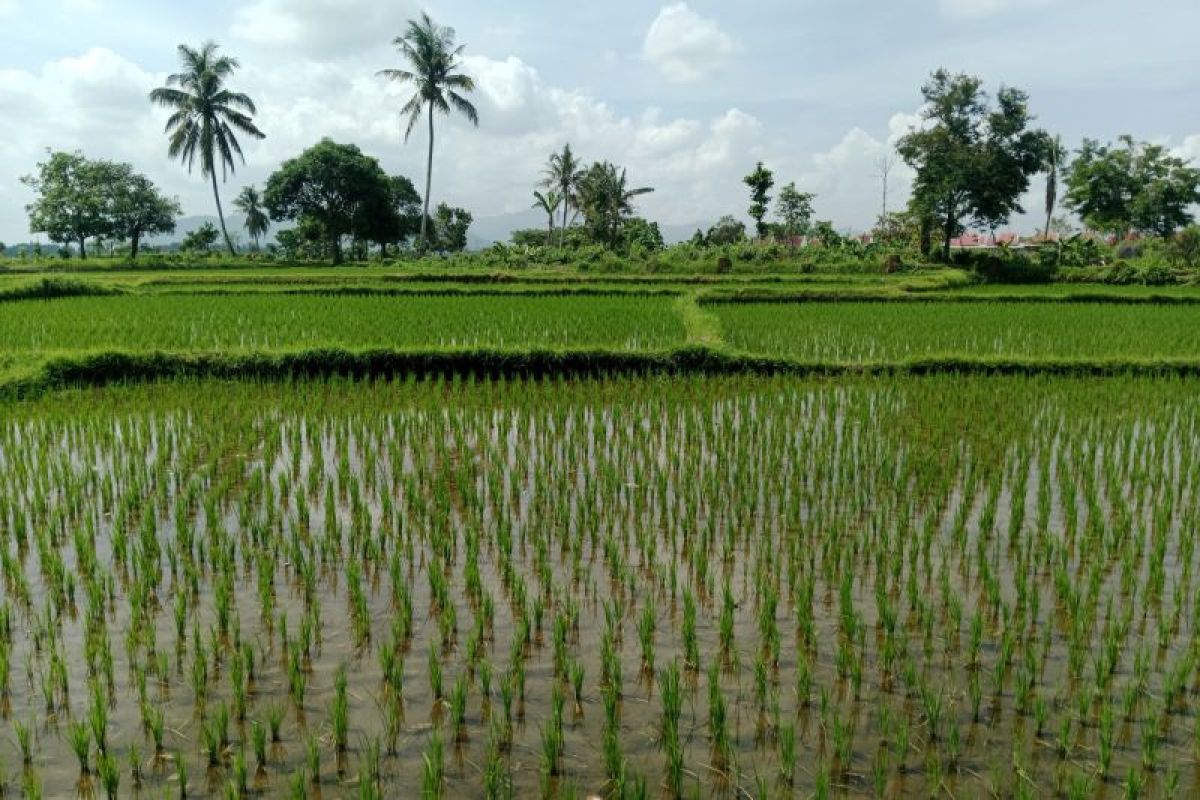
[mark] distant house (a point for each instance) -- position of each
(1009, 239)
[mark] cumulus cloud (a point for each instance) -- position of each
(684, 45)
(848, 180)
(322, 26)
(97, 101)
(1190, 149)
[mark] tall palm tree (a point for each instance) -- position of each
(549, 202)
(206, 115)
(1056, 157)
(564, 172)
(249, 202)
(433, 61)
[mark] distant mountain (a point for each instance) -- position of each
(236, 223)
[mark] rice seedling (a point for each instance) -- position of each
(339, 713)
(80, 736)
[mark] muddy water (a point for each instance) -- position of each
(828, 496)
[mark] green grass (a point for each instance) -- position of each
(857, 332)
(265, 323)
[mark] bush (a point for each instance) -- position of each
(1006, 266)
(1185, 248)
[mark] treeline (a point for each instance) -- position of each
(974, 157)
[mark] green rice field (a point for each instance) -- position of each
(280, 321)
(621, 543)
(874, 332)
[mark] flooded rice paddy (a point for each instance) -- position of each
(673, 587)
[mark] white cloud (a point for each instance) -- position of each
(1189, 149)
(684, 45)
(975, 9)
(322, 26)
(97, 102)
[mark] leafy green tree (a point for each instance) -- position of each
(137, 208)
(1056, 160)
(450, 225)
(549, 202)
(1133, 186)
(760, 182)
(394, 222)
(897, 229)
(250, 203)
(206, 117)
(72, 199)
(726, 230)
(827, 235)
(795, 210)
(200, 240)
(972, 160)
(642, 236)
(433, 61)
(607, 201)
(333, 187)
(563, 173)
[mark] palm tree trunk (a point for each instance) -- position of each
(221, 214)
(428, 182)
(562, 236)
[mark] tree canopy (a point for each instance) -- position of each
(607, 201)
(334, 187)
(972, 160)
(450, 227)
(138, 209)
(80, 199)
(760, 182)
(795, 210)
(1131, 186)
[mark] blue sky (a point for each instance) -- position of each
(687, 95)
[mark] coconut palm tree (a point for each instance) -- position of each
(564, 172)
(1056, 157)
(433, 61)
(549, 202)
(206, 116)
(249, 202)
